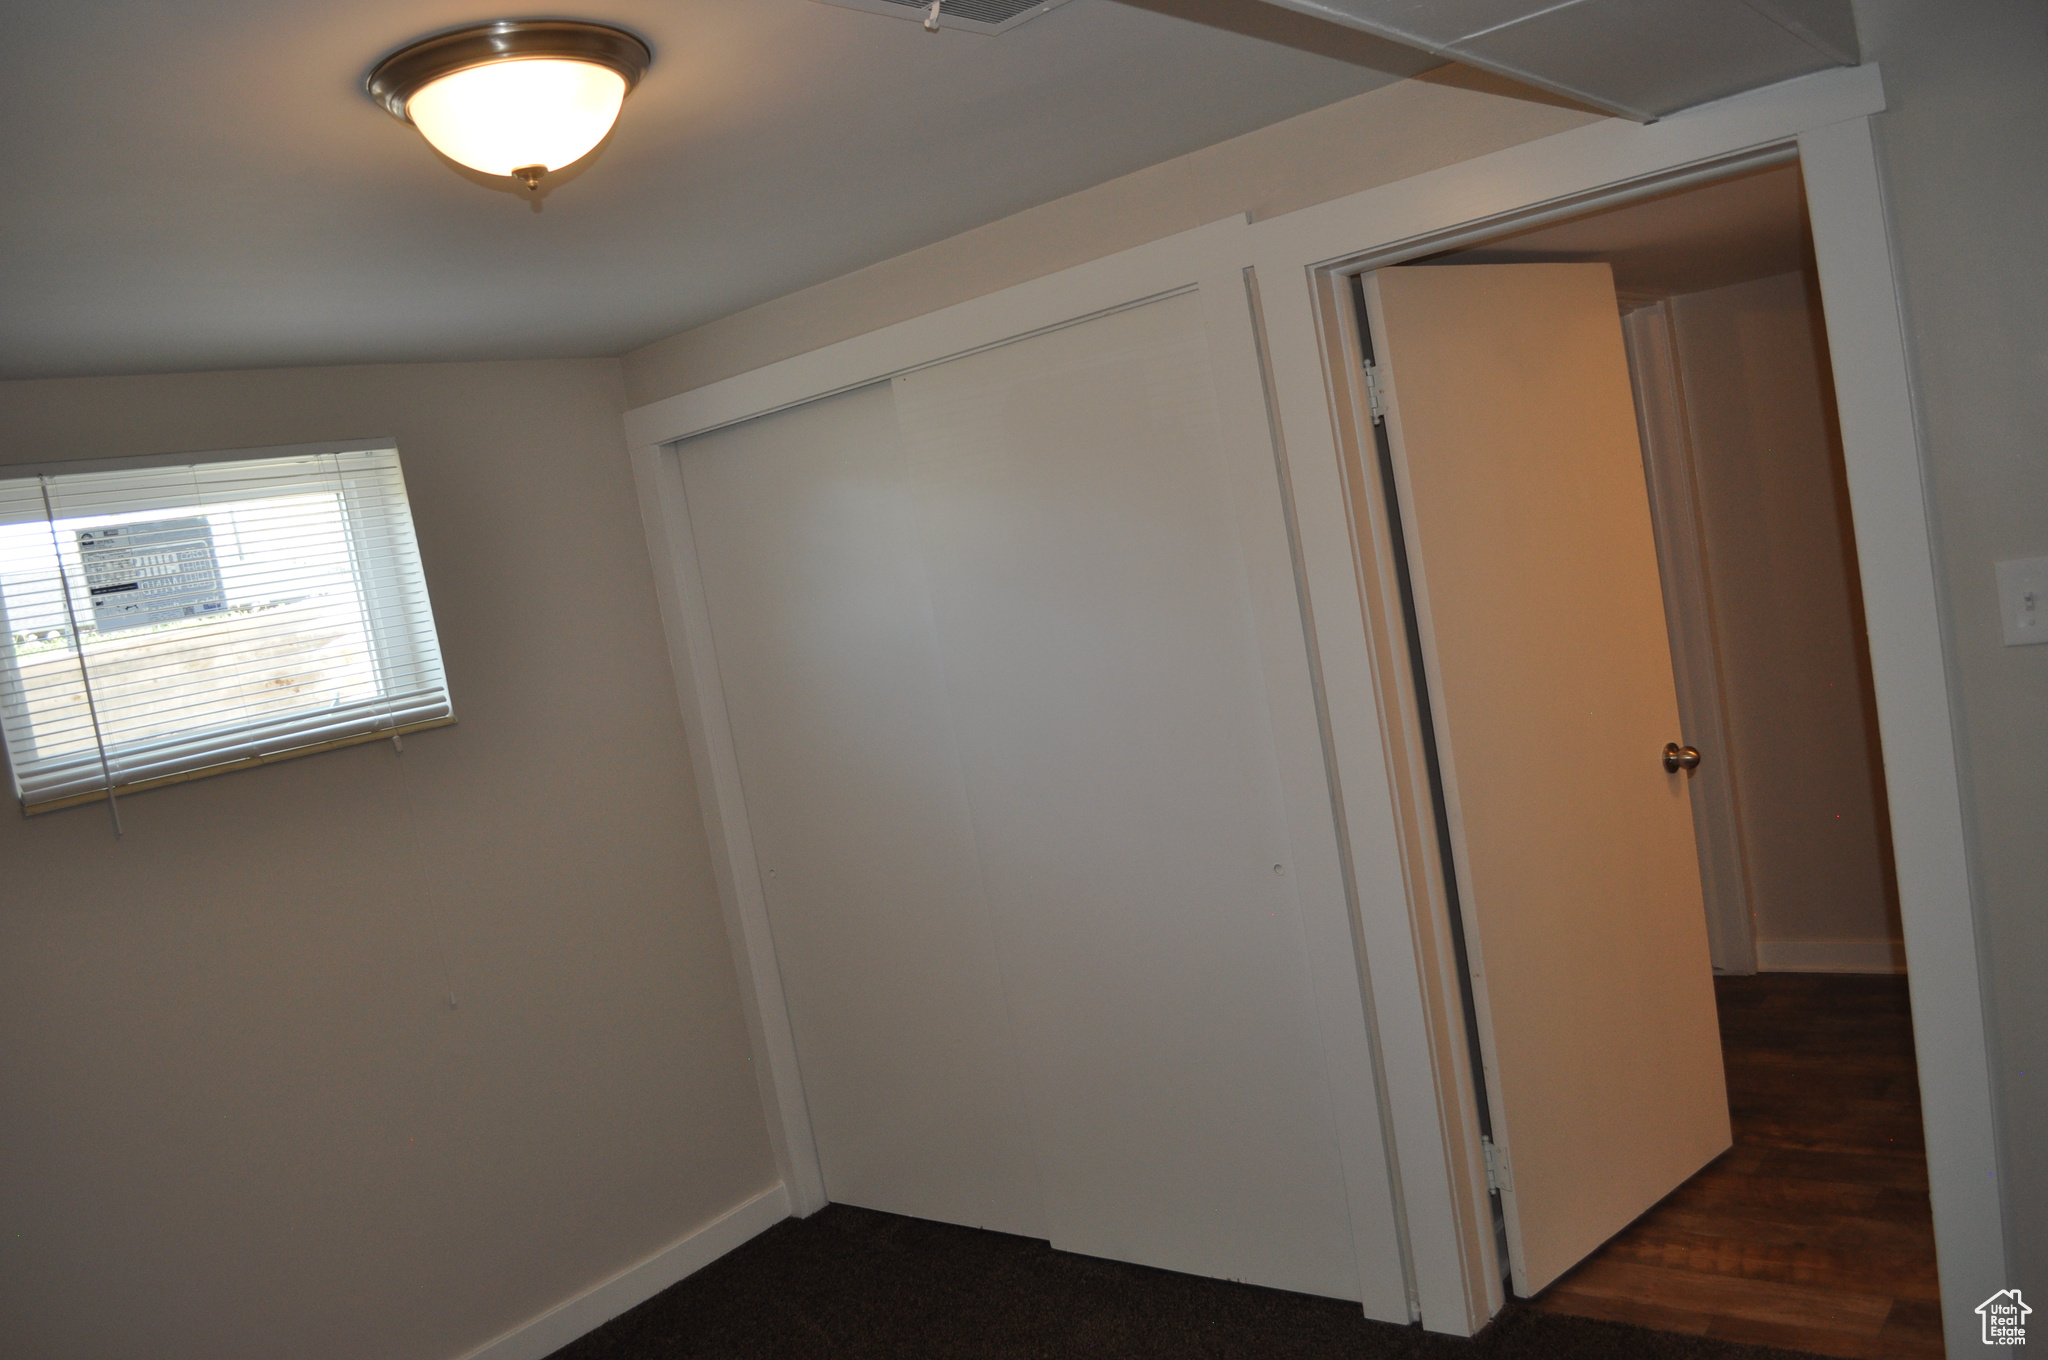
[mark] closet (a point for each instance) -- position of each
(991, 653)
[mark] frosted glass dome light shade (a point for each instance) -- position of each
(517, 115)
(517, 97)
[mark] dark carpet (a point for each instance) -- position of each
(851, 1283)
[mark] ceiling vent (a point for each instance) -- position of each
(975, 16)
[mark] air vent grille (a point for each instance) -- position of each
(974, 16)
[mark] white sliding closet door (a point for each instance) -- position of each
(989, 646)
(1096, 630)
(807, 544)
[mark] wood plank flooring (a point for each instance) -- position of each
(1813, 1232)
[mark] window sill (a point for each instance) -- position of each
(245, 763)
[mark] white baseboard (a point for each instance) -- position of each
(542, 1336)
(1830, 956)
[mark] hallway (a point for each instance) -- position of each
(1813, 1233)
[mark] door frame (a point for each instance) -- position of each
(1304, 262)
(1651, 339)
(1211, 261)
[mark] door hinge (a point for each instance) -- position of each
(1373, 396)
(1499, 1174)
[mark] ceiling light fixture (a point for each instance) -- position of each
(519, 97)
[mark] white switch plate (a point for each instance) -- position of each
(2023, 600)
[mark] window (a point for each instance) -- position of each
(161, 620)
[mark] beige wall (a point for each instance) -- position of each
(1964, 147)
(1375, 138)
(1788, 619)
(237, 1116)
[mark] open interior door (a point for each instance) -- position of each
(1512, 430)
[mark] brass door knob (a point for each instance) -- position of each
(1678, 757)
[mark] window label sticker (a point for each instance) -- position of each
(161, 571)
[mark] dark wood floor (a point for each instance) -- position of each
(1813, 1232)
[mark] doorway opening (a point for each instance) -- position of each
(1813, 1230)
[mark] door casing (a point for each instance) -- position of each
(1696, 661)
(1305, 264)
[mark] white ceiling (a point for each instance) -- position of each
(196, 184)
(1730, 231)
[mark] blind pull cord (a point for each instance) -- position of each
(92, 708)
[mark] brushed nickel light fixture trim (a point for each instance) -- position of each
(516, 97)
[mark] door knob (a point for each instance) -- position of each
(1678, 757)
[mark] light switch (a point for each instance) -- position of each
(2023, 600)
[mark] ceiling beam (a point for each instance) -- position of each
(1639, 59)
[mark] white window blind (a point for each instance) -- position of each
(162, 621)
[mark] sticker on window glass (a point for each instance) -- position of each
(158, 572)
